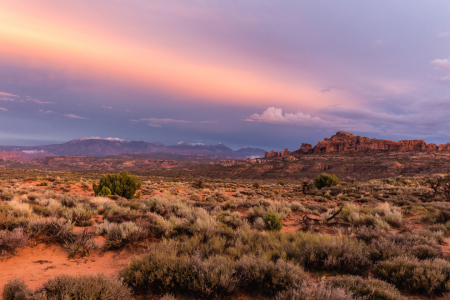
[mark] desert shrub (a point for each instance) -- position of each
(85, 287)
(322, 291)
(331, 253)
(118, 235)
(385, 245)
(120, 214)
(230, 218)
(281, 182)
(392, 215)
(269, 276)
(8, 221)
(310, 250)
(121, 184)
(57, 230)
(195, 198)
(79, 216)
(326, 180)
(168, 297)
(426, 276)
(82, 245)
(200, 183)
(162, 270)
(259, 224)
(68, 201)
(15, 289)
(273, 221)
(371, 289)
(20, 209)
(256, 185)
(11, 240)
(437, 228)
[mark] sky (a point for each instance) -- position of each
(254, 73)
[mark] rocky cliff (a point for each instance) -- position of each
(347, 142)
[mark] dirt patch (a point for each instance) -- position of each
(40, 263)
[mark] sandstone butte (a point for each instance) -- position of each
(347, 142)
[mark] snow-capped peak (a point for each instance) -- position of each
(190, 144)
(99, 138)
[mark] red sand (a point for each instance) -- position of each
(40, 263)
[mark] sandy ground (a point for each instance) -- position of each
(42, 262)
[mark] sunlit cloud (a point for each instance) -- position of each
(443, 34)
(275, 116)
(7, 99)
(73, 116)
(4, 109)
(147, 65)
(442, 63)
(39, 101)
(7, 94)
(107, 107)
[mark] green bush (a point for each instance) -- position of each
(273, 221)
(15, 289)
(256, 185)
(426, 276)
(371, 289)
(121, 184)
(326, 180)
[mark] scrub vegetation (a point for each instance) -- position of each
(202, 238)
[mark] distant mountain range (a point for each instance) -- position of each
(96, 146)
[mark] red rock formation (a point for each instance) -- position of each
(282, 153)
(347, 142)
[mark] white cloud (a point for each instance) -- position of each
(73, 116)
(275, 116)
(7, 94)
(442, 63)
(4, 109)
(443, 34)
